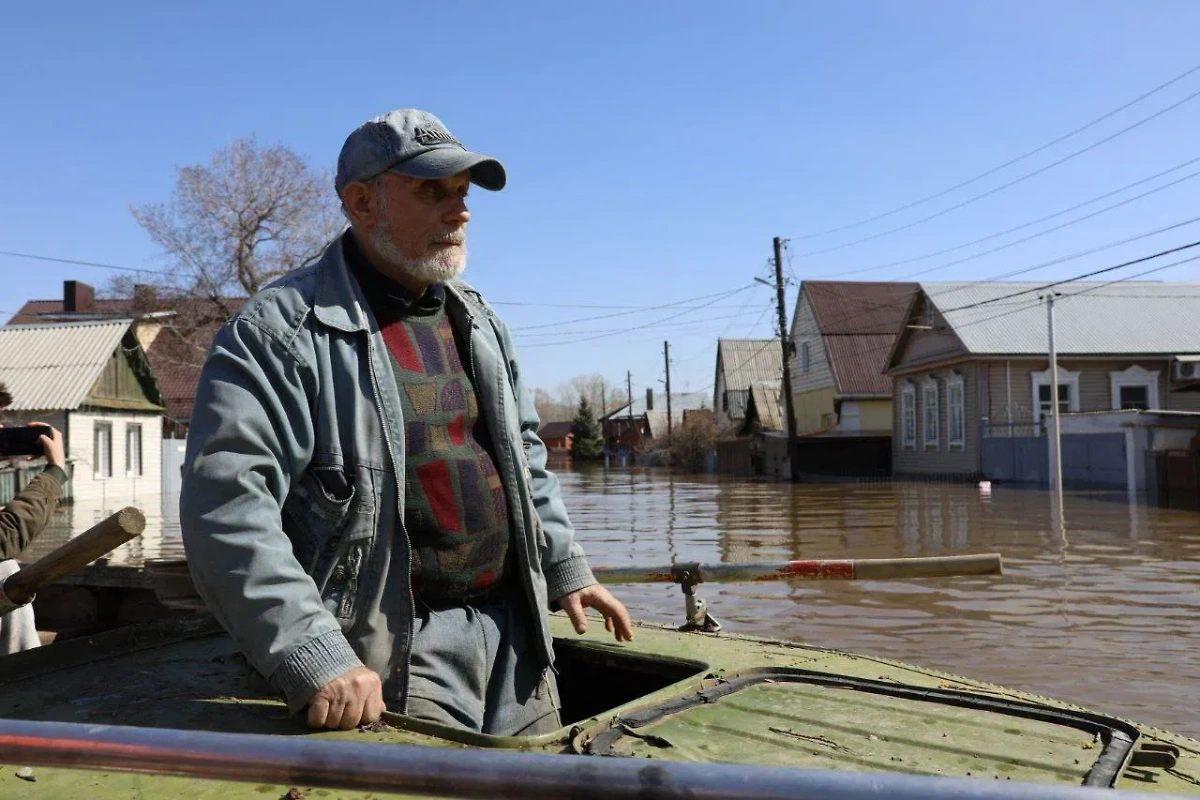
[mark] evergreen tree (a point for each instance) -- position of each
(588, 443)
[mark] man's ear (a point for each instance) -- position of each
(361, 204)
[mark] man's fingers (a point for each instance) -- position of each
(352, 714)
(374, 708)
(574, 609)
(616, 616)
(318, 711)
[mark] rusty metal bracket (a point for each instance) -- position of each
(695, 609)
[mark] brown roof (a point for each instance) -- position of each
(177, 353)
(555, 430)
(859, 322)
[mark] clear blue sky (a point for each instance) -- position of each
(653, 149)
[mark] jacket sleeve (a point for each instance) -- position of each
(563, 561)
(29, 512)
(251, 436)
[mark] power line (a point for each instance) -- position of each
(76, 262)
(640, 327)
(1022, 226)
(1075, 279)
(671, 325)
(1005, 165)
(1004, 186)
(1082, 253)
(676, 304)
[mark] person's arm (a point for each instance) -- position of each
(28, 513)
(251, 436)
(570, 583)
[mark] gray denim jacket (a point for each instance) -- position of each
(292, 500)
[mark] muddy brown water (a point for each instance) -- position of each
(1105, 612)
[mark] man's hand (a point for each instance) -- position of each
(52, 446)
(616, 618)
(351, 699)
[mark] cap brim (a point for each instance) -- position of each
(443, 162)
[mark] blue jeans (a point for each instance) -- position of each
(477, 667)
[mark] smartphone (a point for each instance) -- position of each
(22, 440)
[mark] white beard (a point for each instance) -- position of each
(441, 266)
(437, 267)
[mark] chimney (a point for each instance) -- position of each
(78, 298)
(649, 399)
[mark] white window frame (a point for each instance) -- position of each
(908, 416)
(102, 457)
(133, 455)
(1134, 376)
(805, 363)
(929, 389)
(1065, 378)
(956, 412)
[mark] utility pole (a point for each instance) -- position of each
(1055, 438)
(789, 413)
(629, 389)
(667, 362)
(604, 415)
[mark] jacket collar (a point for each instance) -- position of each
(339, 303)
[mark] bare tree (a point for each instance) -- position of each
(249, 215)
(562, 403)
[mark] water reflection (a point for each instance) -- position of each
(1101, 611)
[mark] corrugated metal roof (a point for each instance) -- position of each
(859, 322)
(765, 398)
(53, 367)
(1151, 318)
(748, 361)
(175, 355)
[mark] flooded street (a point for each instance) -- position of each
(1104, 615)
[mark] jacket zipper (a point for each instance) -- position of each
(387, 439)
(522, 552)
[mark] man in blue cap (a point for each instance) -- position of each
(366, 506)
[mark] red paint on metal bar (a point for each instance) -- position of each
(820, 568)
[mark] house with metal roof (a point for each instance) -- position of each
(174, 332)
(632, 424)
(843, 332)
(740, 364)
(972, 382)
(92, 381)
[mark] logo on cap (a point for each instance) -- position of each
(432, 136)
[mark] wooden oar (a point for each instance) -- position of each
(107, 535)
(812, 569)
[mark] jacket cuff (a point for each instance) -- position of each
(568, 576)
(312, 665)
(56, 472)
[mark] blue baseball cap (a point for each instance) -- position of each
(412, 142)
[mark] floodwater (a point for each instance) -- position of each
(1104, 613)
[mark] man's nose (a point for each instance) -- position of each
(458, 214)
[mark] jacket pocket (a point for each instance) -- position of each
(331, 522)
